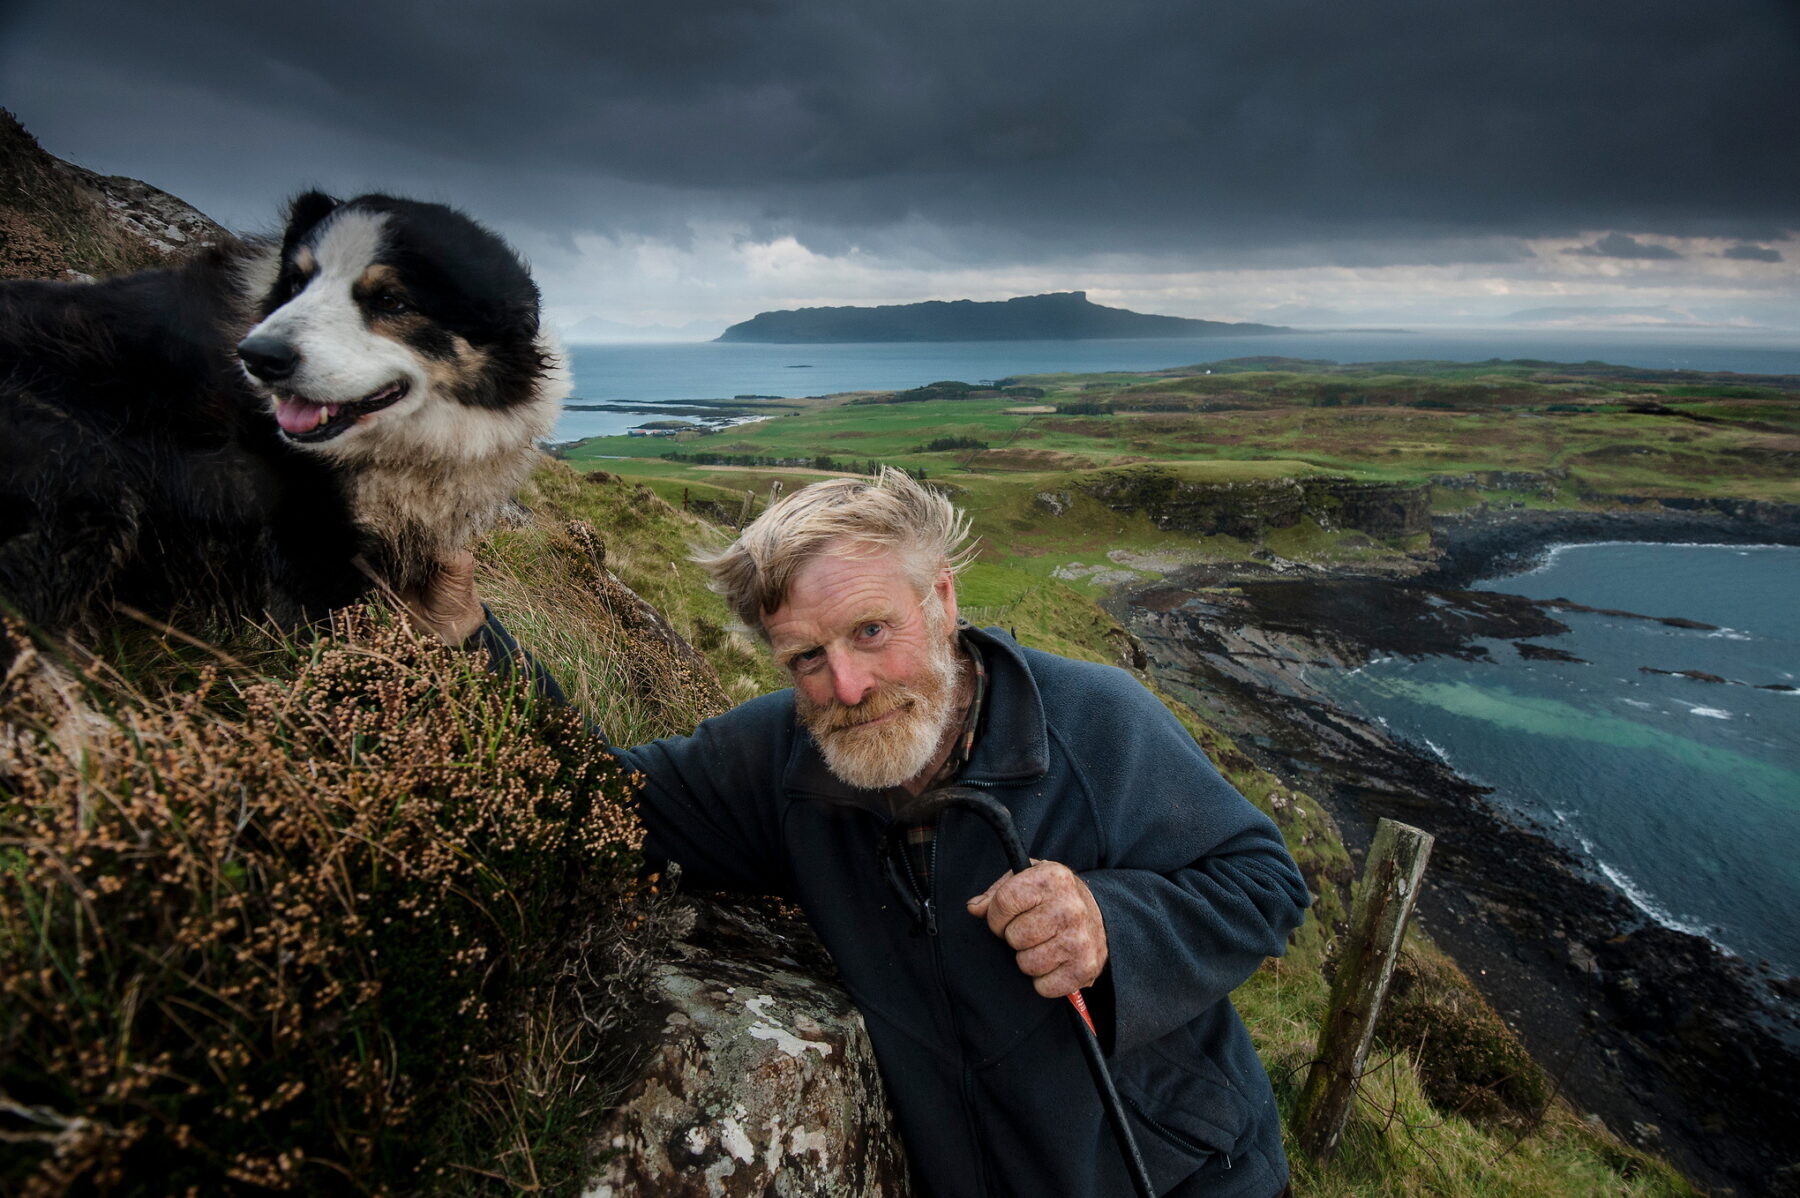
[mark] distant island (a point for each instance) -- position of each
(1061, 316)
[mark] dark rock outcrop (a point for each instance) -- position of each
(1545, 483)
(1483, 543)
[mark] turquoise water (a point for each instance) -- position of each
(710, 370)
(1684, 794)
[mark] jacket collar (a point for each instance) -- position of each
(1011, 746)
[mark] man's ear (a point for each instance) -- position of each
(945, 586)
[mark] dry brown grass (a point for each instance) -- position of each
(304, 926)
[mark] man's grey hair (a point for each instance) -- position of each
(849, 517)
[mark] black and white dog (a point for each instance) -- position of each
(265, 429)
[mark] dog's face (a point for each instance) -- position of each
(394, 327)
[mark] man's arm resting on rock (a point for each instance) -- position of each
(692, 791)
(448, 608)
(708, 801)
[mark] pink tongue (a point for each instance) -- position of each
(298, 416)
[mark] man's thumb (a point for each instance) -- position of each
(979, 904)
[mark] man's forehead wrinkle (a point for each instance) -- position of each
(810, 636)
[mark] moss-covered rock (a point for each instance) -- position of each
(1469, 1062)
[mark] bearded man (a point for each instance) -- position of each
(1155, 886)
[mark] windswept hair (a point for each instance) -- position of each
(847, 517)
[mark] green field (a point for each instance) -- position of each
(1581, 435)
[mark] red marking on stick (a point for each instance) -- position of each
(1081, 1006)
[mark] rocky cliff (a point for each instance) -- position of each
(62, 221)
(1249, 509)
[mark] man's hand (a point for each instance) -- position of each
(447, 606)
(1050, 919)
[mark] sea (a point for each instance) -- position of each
(627, 378)
(1684, 793)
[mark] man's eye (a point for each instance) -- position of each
(870, 630)
(802, 661)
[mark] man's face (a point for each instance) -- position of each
(874, 664)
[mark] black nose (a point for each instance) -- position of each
(268, 358)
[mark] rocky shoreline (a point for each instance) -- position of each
(1675, 1045)
(1490, 543)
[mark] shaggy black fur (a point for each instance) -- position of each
(139, 467)
(136, 464)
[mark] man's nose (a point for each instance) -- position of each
(851, 681)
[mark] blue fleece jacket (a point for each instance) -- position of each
(986, 1077)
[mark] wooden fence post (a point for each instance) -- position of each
(1390, 887)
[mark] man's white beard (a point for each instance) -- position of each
(876, 758)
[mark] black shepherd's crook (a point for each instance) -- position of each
(1001, 821)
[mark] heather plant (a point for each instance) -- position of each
(304, 926)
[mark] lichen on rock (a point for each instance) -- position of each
(761, 1079)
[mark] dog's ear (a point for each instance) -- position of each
(305, 211)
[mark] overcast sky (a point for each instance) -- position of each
(1295, 161)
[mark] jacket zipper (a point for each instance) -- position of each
(937, 962)
(927, 909)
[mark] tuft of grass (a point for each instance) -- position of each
(598, 582)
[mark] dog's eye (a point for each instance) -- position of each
(388, 302)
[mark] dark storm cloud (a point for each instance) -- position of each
(1619, 245)
(1752, 253)
(1010, 127)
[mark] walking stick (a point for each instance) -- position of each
(1000, 820)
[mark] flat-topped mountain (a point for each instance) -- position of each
(1060, 316)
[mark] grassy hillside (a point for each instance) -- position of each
(1467, 436)
(296, 914)
(1455, 1107)
(1454, 1104)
